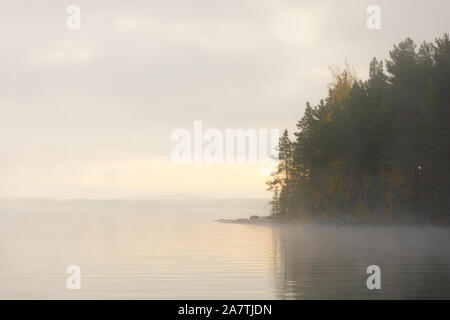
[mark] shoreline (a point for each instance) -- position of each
(343, 221)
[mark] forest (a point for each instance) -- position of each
(374, 150)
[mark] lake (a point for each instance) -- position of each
(173, 249)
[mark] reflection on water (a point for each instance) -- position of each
(180, 253)
(329, 262)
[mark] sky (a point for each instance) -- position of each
(89, 113)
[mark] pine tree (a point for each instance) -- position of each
(376, 149)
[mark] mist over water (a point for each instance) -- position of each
(173, 249)
(330, 261)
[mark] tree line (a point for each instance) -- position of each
(374, 150)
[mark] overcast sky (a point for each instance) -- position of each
(89, 113)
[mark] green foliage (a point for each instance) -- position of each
(374, 150)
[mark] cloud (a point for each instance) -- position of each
(63, 54)
(116, 89)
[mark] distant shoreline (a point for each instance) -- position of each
(343, 221)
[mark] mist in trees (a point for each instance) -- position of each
(374, 150)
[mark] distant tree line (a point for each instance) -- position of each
(373, 150)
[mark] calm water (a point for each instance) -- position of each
(177, 252)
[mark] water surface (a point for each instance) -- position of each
(177, 251)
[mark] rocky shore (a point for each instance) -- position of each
(257, 220)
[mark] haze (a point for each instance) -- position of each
(89, 113)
